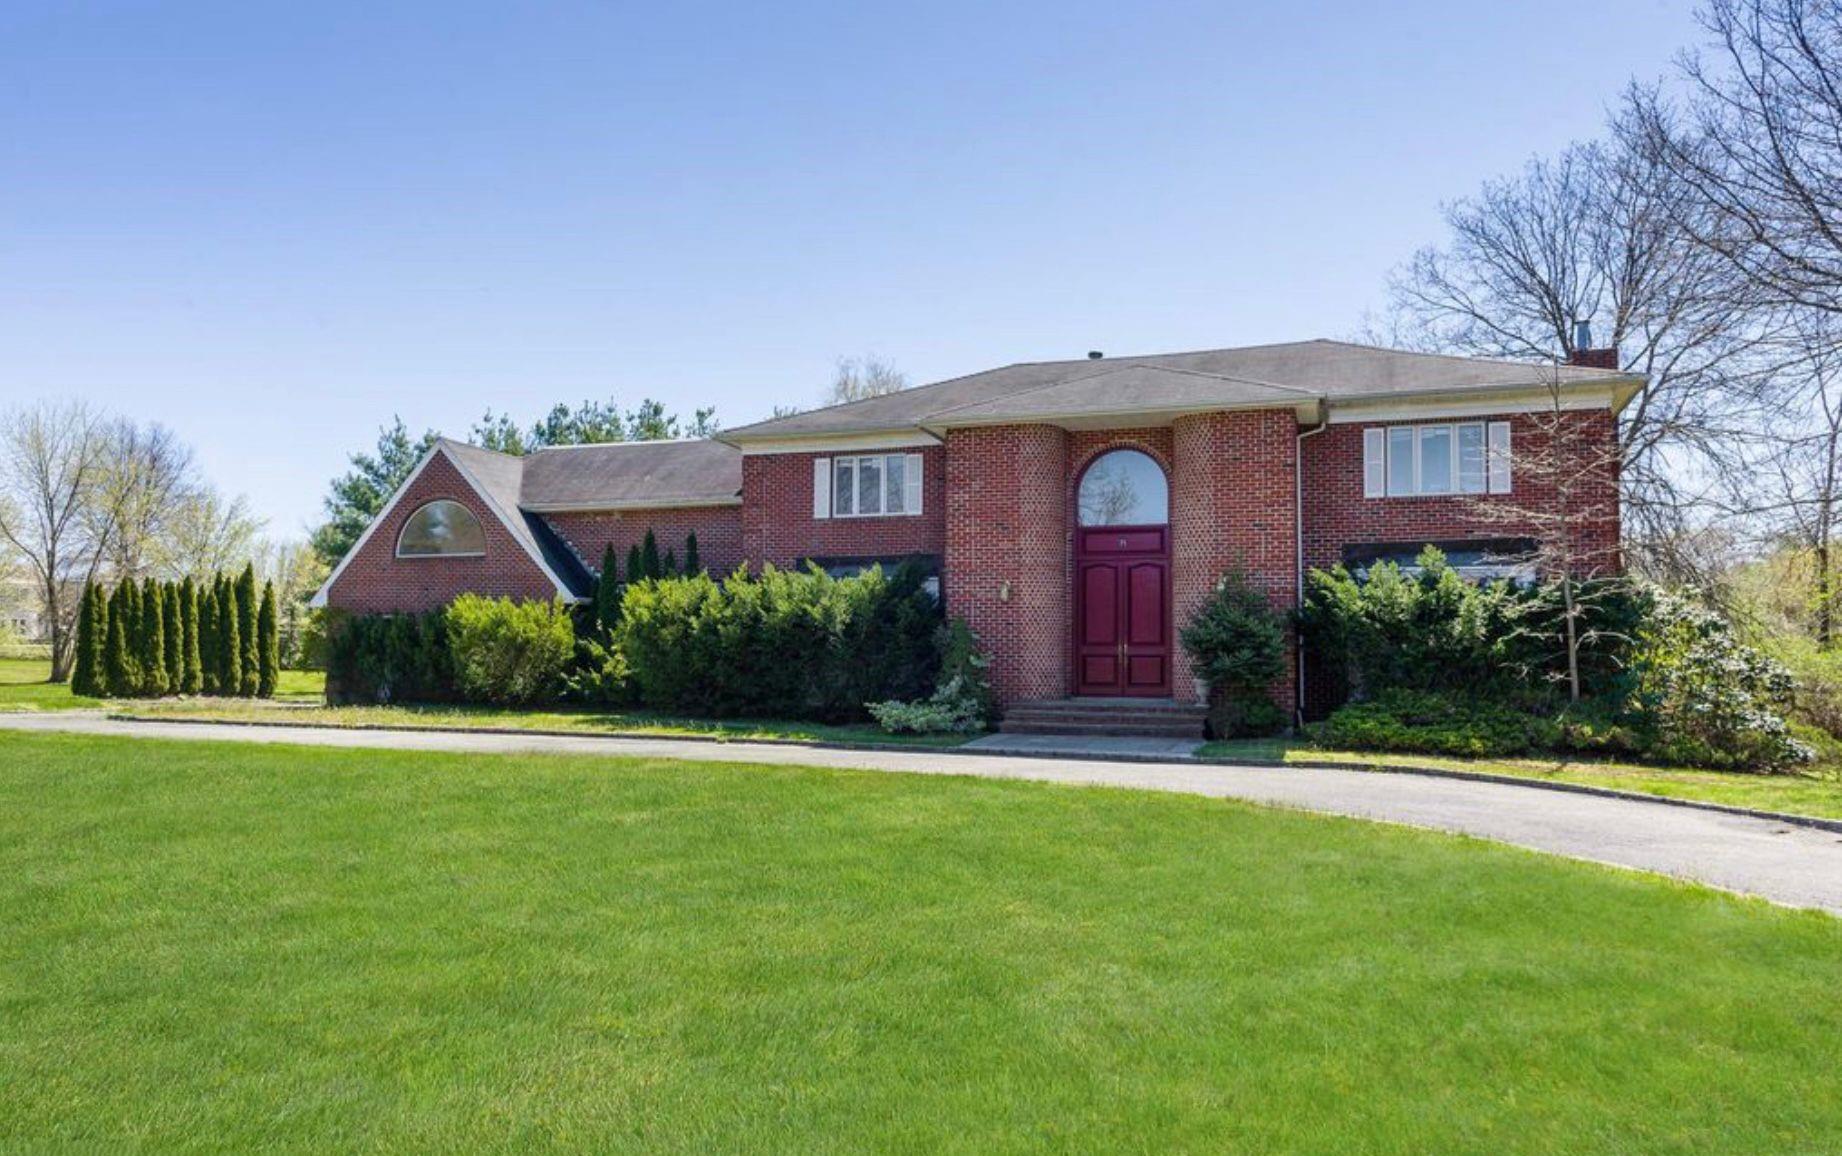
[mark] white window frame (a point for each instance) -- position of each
(404, 529)
(826, 490)
(1381, 443)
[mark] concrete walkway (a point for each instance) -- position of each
(1791, 865)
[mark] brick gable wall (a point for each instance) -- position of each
(778, 526)
(718, 530)
(377, 581)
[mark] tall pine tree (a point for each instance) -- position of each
(175, 638)
(250, 666)
(118, 654)
(153, 640)
(693, 565)
(192, 675)
(268, 644)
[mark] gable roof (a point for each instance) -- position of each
(1289, 374)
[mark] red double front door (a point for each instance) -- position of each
(1122, 610)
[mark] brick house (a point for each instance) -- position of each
(1074, 512)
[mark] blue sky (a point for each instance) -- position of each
(273, 226)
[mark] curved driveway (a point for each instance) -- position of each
(1792, 865)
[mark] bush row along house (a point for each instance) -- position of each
(1074, 512)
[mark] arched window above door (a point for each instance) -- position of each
(1124, 488)
(441, 529)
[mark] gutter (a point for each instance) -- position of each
(1298, 543)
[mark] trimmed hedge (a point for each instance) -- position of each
(509, 653)
(787, 644)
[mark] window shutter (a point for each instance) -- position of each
(821, 487)
(1499, 457)
(1374, 463)
(911, 483)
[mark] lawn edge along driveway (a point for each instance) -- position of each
(1070, 750)
(1785, 863)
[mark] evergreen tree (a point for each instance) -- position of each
(131, 634)
(229, 642)
(118, 656)
(669, 567)
(175, 637)
(268, 644)
(607, 590)
(249, 666)
(649, 556)
(693, 565)
(206, 595)
(191, 677)
(153, 640)
(636, 566)
(83, 670)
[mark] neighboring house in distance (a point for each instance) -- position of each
(19, 609)
(1075, 512)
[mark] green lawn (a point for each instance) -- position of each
(230, 947)
(1813, 792)
(23, 687)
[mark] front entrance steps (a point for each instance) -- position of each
(1158, 718)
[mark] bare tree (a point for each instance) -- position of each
(205, 533)
(1797, 495)
(148, 474)
(1593, 234)
(1757, 145)
(53, 510)
(861, 377)
(1564, 495)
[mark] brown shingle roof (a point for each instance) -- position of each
(1286, 374)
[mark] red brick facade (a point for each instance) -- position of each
(718, 530)
(1336, 513)
(1007, 553)
(375, 580)
(998, 509)
(778, 526)
(1232, 507)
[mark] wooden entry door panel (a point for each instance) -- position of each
(1122, 612)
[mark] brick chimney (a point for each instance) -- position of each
(1585, 355)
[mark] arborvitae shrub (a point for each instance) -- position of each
(636, 565)
(268, 645)
(250, 661)
(229, 642)
(205, 596)
(649, 557)
(607, 590)
(118, 656)
(175, 638)
(692, 563)
(191, 679)
(152, 640)
(83, 673)
(388, 658)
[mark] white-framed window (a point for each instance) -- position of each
(1413, 461)
(866, 486)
